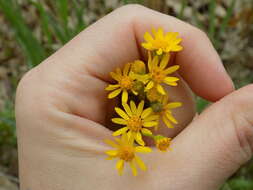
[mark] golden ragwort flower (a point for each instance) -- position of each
(126, 152)
(162, 43)
(166, 112)
(135, 119)
(158, 73)
(125, 83)
(162, 143)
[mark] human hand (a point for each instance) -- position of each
(62, 111)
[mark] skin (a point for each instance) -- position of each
(61, 110)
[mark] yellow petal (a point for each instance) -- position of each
(146, 113)
(111, 143)
(171, 118)
(146, 131)
(148, 37)
(139, 140)
(114, 93)
(140, 108)
(119, 121)
(165, 61)
(150, 123)
(167, 123)
(147, 46)
(149, 61)
(140, 163)
(174, 105)
(177, 41)
(134, 170)
(177, 48)
(149, 85)
(112, 152)
(154, 62)
(151, 118)
(127, 109)
(159, 33)
(171, 69)
(124, 96)
(172, 83)
(160, 89)
(171, 79)
(120, 166)
(112, 87)
(124, 138)
(133, 107)
(120, 131)
(159, 51)
(126, 69)
(143, 149)
(110, 157)
(154, 32)
(121, 113)
(115, 76)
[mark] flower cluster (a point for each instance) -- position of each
(145, 102)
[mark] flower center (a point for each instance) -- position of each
(135, 123)
(163, 144)
(157, 75)
(160, 43)
(126, 153)
(126, 82)
(153, 95)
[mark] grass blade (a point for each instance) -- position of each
(44, 20)
(62, 12)
(211, 29)
(79, 11)
(226, 19)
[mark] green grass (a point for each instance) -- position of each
(31, 47)
(56, 29)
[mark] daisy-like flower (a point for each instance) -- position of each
(153, 95)
(162, 43)
(164, 110)
(162, 143)
(126, 152)
(136, 120)
(125, 83)
(158, 73)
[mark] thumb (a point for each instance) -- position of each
(217, 143)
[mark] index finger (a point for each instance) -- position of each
(116, 40)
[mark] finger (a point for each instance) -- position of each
(115, 40)
(217, 143)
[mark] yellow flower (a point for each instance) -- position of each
(158, 74)
(125, 83)
(162, 143)
(135, 119)
(126, 152)
(153, 95)
(166, 112)
(162, 43)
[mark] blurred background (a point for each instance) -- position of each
(31, 30)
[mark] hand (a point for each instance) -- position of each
(61, 111)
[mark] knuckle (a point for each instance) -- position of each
(25, 82)
(200, 33)
(130, 12)
(131, 8)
